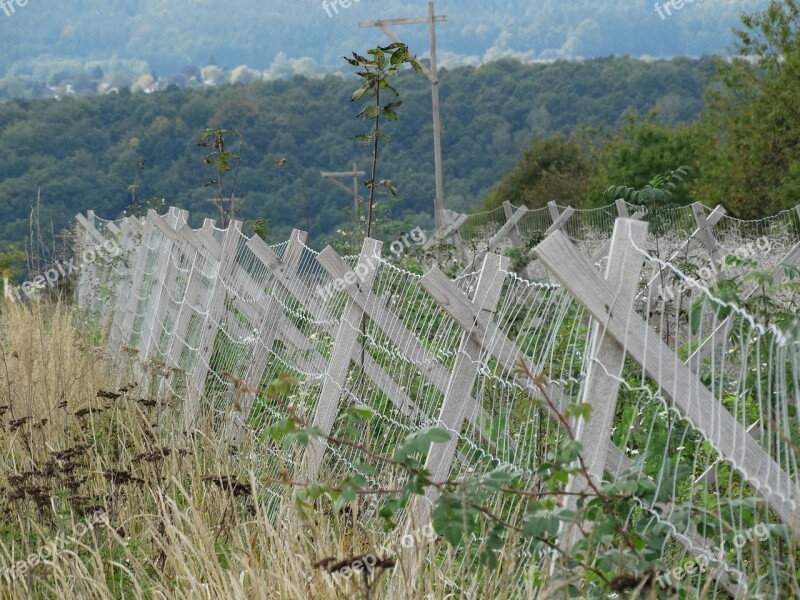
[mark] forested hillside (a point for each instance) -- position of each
(85, 153)
(743, 152)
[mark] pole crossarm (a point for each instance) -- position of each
(390, 22)
(355, 174)
(328, 175)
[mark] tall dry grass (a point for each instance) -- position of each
(183, 517)
(102, 494)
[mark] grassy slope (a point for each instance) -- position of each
(163, 524)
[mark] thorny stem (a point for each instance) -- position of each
(608, 506)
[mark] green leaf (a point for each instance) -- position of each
(384, 85)
(452, 519)
(365, 467)
(363, 411)
(696, 314)
(419, 442)
(400, 55)
(282, 428)
(790, 271)
(359, 93)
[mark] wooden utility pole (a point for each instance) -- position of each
(433, 75)
(355, 174)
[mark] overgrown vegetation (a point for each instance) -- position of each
(157, 508)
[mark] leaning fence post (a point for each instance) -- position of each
(86, 289)
(139, 266)
(559, 218)
(268, 332)
(457, 403)
(217, 309)
(164, 278)
(701, 233)
(206, 255)
(607, 357)
(346, 340)
(508, 210)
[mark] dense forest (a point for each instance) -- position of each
(743, 151)
(85, 153)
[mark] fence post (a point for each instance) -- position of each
(205, 254)
(508, 210)
(457, 404)
(168, 276)
(268, 332)
(133, 246)
(507, 228)
(622, 209)
(345, 342)
(695, 238)
(498, 238)
(86, 289)
(217, 309)
(559, 219)
(166, 227)
(142, 258)
(606, 360)
(704, 230)
(118, 236)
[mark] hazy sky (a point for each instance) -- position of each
(169, 34)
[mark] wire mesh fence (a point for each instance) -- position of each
(201, 309)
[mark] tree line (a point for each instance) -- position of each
(107, 152)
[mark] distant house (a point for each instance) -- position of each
(58, 92)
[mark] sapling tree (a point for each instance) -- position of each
(384, 62)
(222, 159)
(655, 197)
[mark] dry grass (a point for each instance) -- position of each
(183, 516)
(172, 515)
